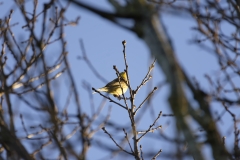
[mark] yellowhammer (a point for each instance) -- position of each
(114, 88)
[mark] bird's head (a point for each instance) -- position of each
(123, 75)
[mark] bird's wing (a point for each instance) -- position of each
(114, 82)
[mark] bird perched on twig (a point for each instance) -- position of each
(114, 87)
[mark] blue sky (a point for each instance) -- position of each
(102, 41)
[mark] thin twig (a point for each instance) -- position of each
(158, 153)
(85, 58)
(149, 129)
(126, 137)
(149, 95)
(105, 131)
(141, 152)
(110, 100)
(147, 77)
(119, 81)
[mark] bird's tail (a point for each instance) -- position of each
(104, 89)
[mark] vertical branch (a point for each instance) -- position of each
(131, 111)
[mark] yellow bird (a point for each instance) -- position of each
(114, 88)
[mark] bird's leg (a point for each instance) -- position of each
(117, 96)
